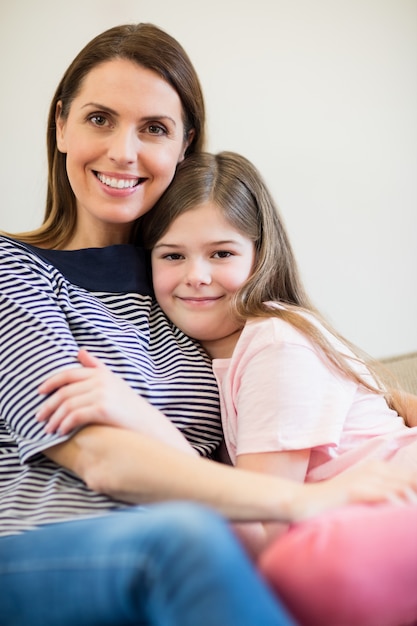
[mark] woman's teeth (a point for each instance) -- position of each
(117, 183)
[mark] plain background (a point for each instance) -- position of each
(320, 94)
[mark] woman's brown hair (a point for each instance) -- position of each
(148, 46)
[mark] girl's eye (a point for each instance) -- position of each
(222, 254)
(174, 256)
(98, 120)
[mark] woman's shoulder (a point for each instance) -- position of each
(13, 249)
(7, 241)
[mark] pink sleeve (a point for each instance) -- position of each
(285, 396)
(357, 565)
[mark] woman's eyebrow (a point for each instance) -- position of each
(146, 118)
(102, 107)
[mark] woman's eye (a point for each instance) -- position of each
(155, 129)
(98, 120)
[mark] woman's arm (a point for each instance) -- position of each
(137, 469)
(133, 466)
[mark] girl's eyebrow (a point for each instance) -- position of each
(166, 245)
(223, 242)
(146, 118)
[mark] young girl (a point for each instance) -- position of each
(224, 272)
(297, 399)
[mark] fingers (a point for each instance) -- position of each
(72, 375)
(403, 491)
(81, 407)
(384, 482)
(88, 360)
(63, 402)
(63, 378)
(86, 390)
(75, 395)
(65, 421)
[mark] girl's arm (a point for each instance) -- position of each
(291, 465)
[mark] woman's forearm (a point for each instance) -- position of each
(134, 468)
(137, 469)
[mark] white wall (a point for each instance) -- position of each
(320, 94)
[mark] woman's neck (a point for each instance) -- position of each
(95, 240)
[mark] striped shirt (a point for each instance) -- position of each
(51, 304)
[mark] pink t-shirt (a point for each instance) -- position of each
(277, 393)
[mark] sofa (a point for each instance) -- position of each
(404, 368)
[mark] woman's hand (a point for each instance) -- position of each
(93, 394)
(368, 482)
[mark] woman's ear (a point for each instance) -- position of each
(60, 128)
(187, 143)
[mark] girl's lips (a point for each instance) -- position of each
(199, 301)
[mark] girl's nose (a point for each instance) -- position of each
(124, 146)
(198, 274)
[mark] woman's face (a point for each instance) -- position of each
(123, 138)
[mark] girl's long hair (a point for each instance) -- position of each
(148, 46)
(233, 183)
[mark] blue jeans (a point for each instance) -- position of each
(172, 564)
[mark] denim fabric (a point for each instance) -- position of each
(165, 565)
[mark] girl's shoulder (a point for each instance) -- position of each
(275, 329)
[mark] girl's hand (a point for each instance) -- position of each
(93, 394)
(368, 482)
(86, 395)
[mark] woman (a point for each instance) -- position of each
(127, 111)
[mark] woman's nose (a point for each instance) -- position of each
(124, 146)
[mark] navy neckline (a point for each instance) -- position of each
(115, 269)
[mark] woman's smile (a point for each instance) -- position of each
(122, 147)
(119, 182)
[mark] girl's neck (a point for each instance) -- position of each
(223, 347)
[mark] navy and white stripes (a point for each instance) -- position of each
(44, 320)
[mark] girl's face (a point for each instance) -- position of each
(197, 265)
(123, 138)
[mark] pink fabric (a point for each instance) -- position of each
(354, 567)
(277, 393)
